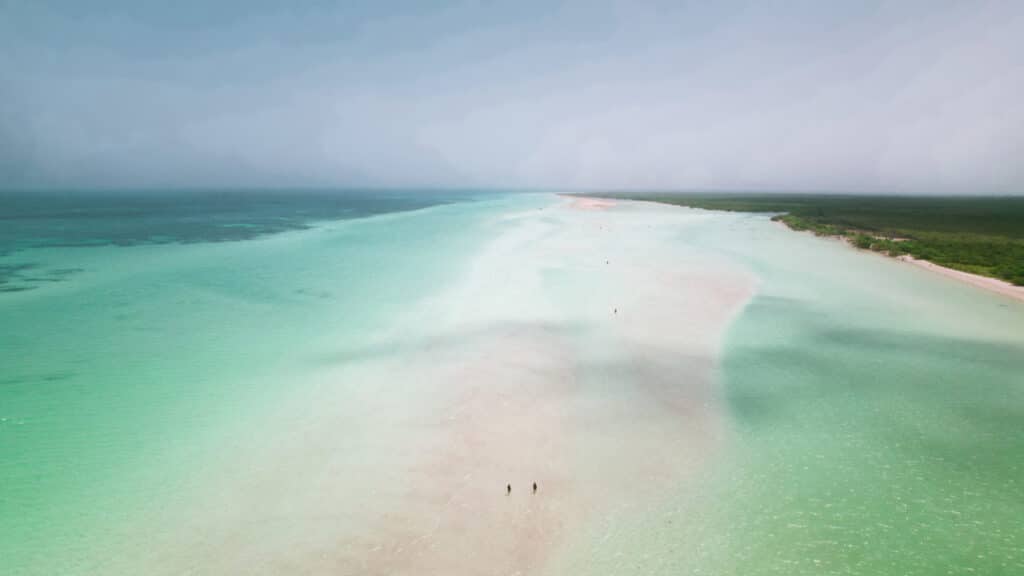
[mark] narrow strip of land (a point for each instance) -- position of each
(984, 282)
(975, 239)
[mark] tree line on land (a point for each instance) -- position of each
(978, 234)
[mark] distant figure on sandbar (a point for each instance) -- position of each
(508, 489)
(616, 310)
(534, 487)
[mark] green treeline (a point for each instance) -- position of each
(982, 235)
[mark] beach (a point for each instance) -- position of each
(987, 283)
(691, 392)
(983, 282)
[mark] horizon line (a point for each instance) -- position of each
(494, 189)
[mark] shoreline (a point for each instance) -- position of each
(990, 284)
(588, 202)
(986, 283)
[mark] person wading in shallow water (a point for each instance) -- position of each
(534, 487)
(508, 489)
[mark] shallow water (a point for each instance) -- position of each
(874, 413)
(123, 381)
(879, 413)
(286, 397)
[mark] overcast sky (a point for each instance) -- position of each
(856, 96)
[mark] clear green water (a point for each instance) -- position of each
(878, 417)
(120, 380)
(877, 425)
(874, 410)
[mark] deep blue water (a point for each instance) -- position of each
(39, 219)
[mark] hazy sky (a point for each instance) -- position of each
(871, 96)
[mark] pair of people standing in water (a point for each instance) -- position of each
(508, 488)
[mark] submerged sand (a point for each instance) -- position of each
(354, 398)
(578, 351)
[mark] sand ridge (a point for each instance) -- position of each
(578, 351)
(589, 203)
(534, 401)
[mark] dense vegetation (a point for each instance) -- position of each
(983, 235)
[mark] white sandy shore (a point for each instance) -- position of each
(588, 203)
(988, 283)
(984, 282)
(578, 352)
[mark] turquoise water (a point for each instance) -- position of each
(107, 218)
(122, 378)
(871, 411)
(878, 414)
(875, 414)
